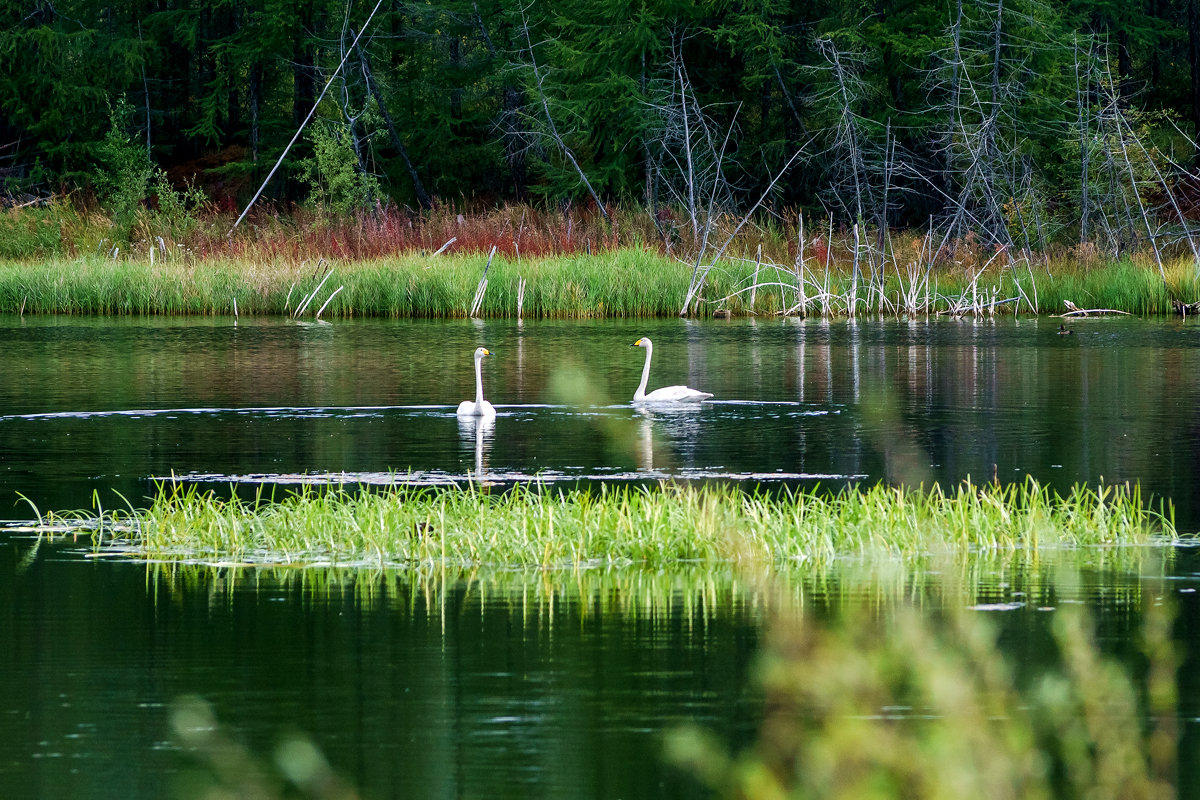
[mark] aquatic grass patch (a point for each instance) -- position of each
(1123, 286)
(529, 526)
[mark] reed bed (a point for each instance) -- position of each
(60, 258)
(617, 283)
(531, 527)
(622, 283)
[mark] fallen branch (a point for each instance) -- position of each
(327, 302)
(1183, 309)
(1076, 311)
(477, 303)
(300, 309)
(959, 309)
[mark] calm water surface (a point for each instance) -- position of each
(469, 691)
(107, 406)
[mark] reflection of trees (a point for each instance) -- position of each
(977, 393)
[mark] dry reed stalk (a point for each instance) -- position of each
(304, 306)
(327, 302)
(754, 285)
(477, 303)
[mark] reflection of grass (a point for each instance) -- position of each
(902, 702)
(699, 591)
(879, 681)
(532, 527)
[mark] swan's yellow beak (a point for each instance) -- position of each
(487, 352)
(638, 343)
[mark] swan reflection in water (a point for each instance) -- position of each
(480, 432)
(674, 423)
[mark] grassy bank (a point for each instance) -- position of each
(624, 283)
(531, 528)
(617, 283)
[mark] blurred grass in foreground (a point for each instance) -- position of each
(914, 702)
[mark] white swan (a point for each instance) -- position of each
(667, 394)
(480, 407)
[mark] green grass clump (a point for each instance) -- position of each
(614, 284)
(1123, 286)
(529, 527)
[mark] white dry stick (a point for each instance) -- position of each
(442, 249)
(335, 293)
(477, 303)
(300, 309)
(520, 295)
(311, 111)
(801, 292)
(538, 84)
(754, 286)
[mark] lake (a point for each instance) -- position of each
(517, 686)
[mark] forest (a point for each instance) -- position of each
(1026, 122)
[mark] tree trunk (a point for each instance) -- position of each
(373, 88)
(1084, 118)
(1124, 64)
(510, 121)
(254, 99)
(1193, 23)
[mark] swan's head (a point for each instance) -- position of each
(642, 342)
(480, 352)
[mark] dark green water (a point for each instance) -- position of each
(552, 689)
(108, 405)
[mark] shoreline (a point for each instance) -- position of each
(609, 284)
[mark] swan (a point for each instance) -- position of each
(667, 394)
(480, 407)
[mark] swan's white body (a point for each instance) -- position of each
(480, 407)
(667, 394)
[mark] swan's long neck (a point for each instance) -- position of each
(641, 390)
(478, 382)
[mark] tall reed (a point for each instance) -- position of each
(629, 264)
(618, 283)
